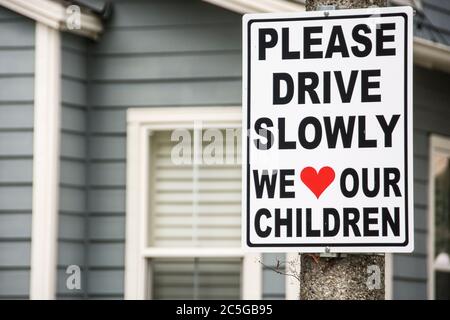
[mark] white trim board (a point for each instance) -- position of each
(389, 276)
(53, 14)
(46, 145)
(140, 124)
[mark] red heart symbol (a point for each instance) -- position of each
(317, 182)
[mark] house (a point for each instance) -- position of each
(90, 92)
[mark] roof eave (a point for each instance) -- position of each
(431, 55)
(53, 14)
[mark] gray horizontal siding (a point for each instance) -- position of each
(75, 66)
(73, 120)
(73, 172)
(72, 228)
(16, 152)
(15, 198)
(185, 38)
(16, 62)
(73, 145)
(107, 147)
(72, 200)
(16, 116)
(15, 171)
(202, 92)
(70, 253)
(410, 267)
(17, 32)
(107, 228)
(409, 289)
(108, 121)
(15, 226)
(178, 67)
(431, 114)
(15, 283)
(17, 89)
(107, 201)
(107, 174)
(15, 253)
(104, 254)
(16, 143)
(73, 92)
(106, 283)
(73, 204)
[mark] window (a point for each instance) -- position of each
(195, 278)
(184, 206)
(439, 240)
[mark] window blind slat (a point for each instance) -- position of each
(206, 278)
(201, 209)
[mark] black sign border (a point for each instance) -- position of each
(331, 245)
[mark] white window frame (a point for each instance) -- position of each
(443, 145)
(140, 124)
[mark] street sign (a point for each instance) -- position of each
(327, 154)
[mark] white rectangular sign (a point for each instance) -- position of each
(327, 104)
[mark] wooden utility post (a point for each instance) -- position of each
(351, 276)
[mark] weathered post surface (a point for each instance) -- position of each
(353, 276)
